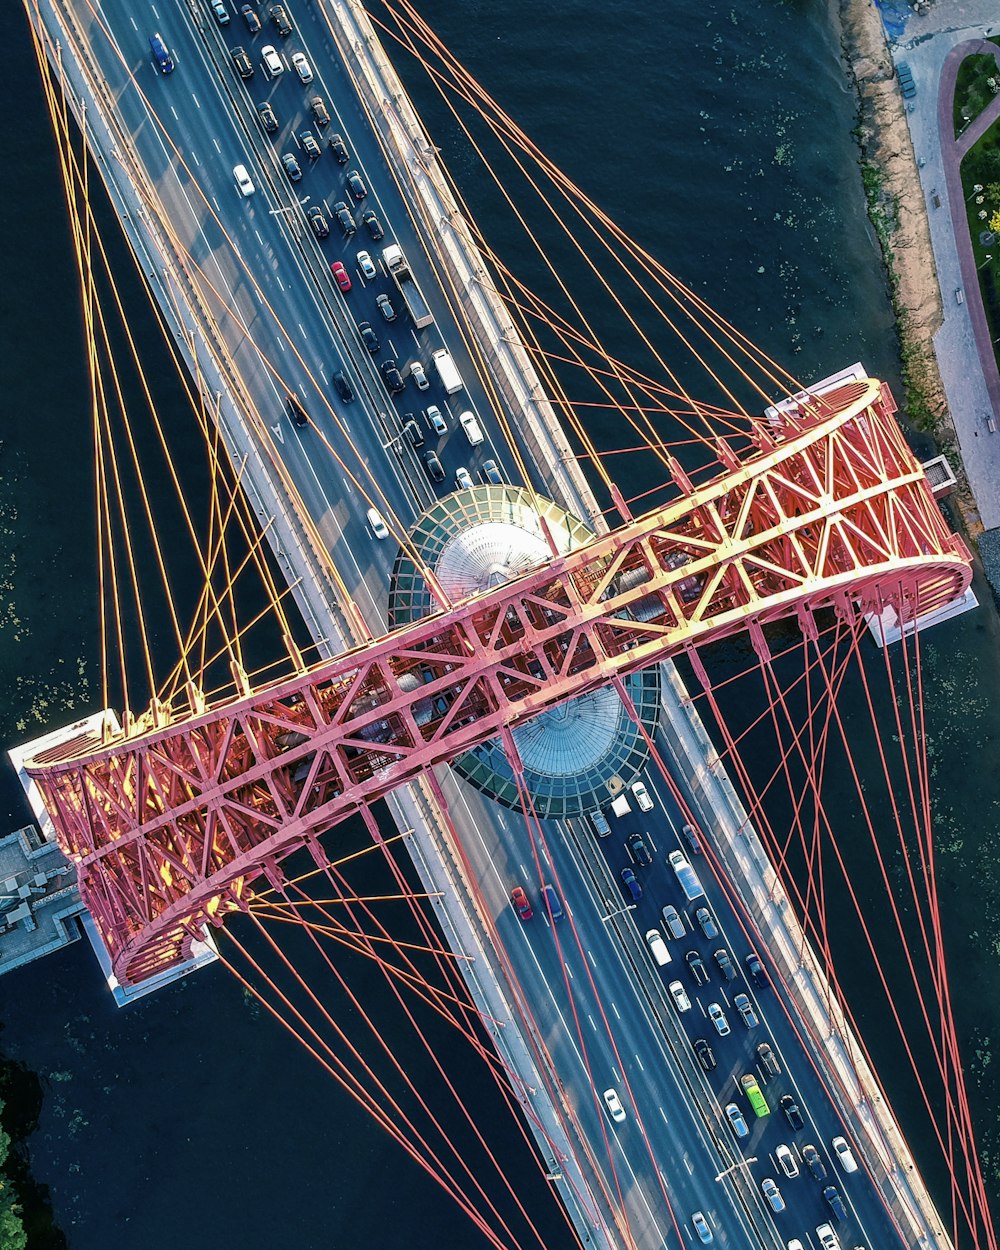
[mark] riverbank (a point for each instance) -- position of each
(898, 212)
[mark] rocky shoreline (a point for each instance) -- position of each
(898, 212)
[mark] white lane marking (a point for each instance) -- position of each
(350, 488)
(217, 148)
(279, 282)
(259, 239)
(195, 98)
(639, 1062)
(194, 157)
(663, 1115)
(590, 956)
(591, 1019)
(155, 14)
(278, 433)
(302, 330)
(132, 20)
(615, 1010)
(281, 343)
(216, 203)
(174, 111)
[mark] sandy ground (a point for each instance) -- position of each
(885, 138)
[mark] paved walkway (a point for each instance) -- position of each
(934, 46)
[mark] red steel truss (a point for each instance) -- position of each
(170, 821)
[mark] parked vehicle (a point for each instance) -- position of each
(463, 479)
(271, 60)
(369, 337)
(291, 167)
(832, 1198)
(309, 145)
(339, 148)
(356, 186)
(702, 1228)
(392, 377)
(251, 18)
(435, 471)
(341, 276)
(491, 474)
(268, 118)
(282, 21)
(344, 218)
(302, 67)
(367, 265)
(691, 838)
(318, 222)
(384, 305)
(244, 66)
(750, 1087)
(372, 225)
(406, 284)
(755, 970)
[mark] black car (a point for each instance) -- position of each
(356, 186)
(834, 1201)
(318, 222)
(705, 1053)
(639, 850)
(251, 19)
(369, 337)
(724, 964)
(309, 145)
(393, 378)
(372, 225)
(697, 967)
(814, 1163)
(791, 1111)
(768, 1059)
(339, 148)
(292, 167)
(268, 118)
(343, 387)
(345, 218)
(279, 15)
(244, 66)
(297, 409)
(434, 469)
(319, 111)
(755, 970)
(413, 432)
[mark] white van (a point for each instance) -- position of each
(657, 947)
(447, 371)
(473, 430)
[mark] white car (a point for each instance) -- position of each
(375, 523)
(679, 995)
(718, 1018)
(786, 1161)
(845, 1156)
(419, 376)
(473, 430)
(614, 1105)
(435, 419)
(367, 265)
(463, 480)
(302, 67)
(735, 1117)
(772, 1193)
(641, 796)
(272, 62)
(702, 1228)
(244, 183)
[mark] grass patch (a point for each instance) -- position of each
(977, 83)
(981, 168)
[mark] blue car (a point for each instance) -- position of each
(631, 883)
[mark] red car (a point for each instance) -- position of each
(520, 901)
(342, 276)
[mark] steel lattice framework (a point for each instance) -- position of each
(171, 821)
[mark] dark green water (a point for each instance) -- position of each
(719, 136)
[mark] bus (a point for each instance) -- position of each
(756, 1099)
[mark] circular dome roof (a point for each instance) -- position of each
(575, 756)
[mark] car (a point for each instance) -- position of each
(372, 225)
(790, 1110)
(344, 218)
(471, 428)
(673, 921)
(378, 527)
(769, 1188)
(413, 432)
(657, 947)
(844, 1154)
(367, 265)
(318, 222)
(719, 1021)
(291, 166)
(356, 186)
(832, 1198)
(309, 144)
(297, 409)
(828, 1239)
(369, 337)
(281, 20)
(268, 117)
(691, 838)
(794, 1244)
(343, 387)
(614, 1105)
(705, 1053)
(339, 148)
(786, 1161)
(687, 878)
(706, 922)
(631, 883)
(302, 67)
(161, 54)
(768, 1059)
(463, 479)
(521, 905)
(638, 849)
(724, 964)
(272, 62)
(701, 1227)
(755, 970)
(552, 903)
(342, 277)
(435, 418)
(696, 966)
(419, 375)
(243, 64)
(491, 473)
(393, 378)
(642, 797)
(384, 305)
(321, 114)
(244, 183)
(814, 1162)
(735, 1117)
(251, 19)
(435, 472)
(679, 995)
(747, 1014)
(220, 12)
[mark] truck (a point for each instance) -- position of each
(447, 371)
(406, 284)
(687, 878)
(620, 806)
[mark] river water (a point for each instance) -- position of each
(719, 136)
